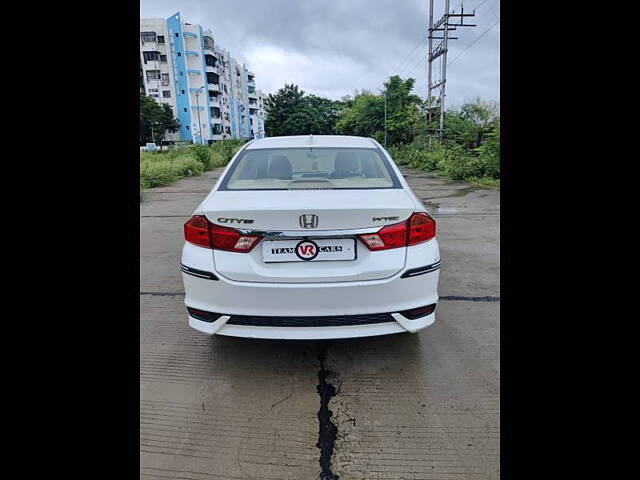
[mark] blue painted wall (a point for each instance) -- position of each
(206, 88)
(174, 25)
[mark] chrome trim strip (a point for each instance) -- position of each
(198, 273)
(311, 233)
(414, 272)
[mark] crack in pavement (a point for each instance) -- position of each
(327, 431)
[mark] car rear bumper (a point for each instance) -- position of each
(401, 292)
(220, 327)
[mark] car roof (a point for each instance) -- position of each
(343, 141)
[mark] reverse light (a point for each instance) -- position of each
(199, 231)
(418, 229)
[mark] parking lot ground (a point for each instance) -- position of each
(423, 406)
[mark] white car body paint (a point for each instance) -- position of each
(373, 283)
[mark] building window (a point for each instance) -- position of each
(165, 79)
(185, 109)
(148, 36)
(160, 38)
(179, 54)
(178, 36)
(163, 59)
(150, 56)
(187, 127)
(166, 94)
(182, 92)
(153, 75)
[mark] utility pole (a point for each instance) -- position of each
(198, 110)
(440, 51)
(385, 117)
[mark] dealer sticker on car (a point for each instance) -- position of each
(307, 250)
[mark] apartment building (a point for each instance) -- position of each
(212, 95)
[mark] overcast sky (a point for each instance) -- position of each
(333, 47)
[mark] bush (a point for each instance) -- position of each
(460, 165)
(226, 149)
(419, 154)
(201, 153)
(187, 166)
(489, 153)
(161, 168)
(154, 173)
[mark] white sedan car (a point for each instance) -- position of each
(310, 237)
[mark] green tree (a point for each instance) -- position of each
(155, 120)
(290, 112)
(469, 124)
(489, 151)
(280, 107)
(364, 114)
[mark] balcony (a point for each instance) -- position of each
(193, 53)
(194, 72)
(189, 34)
(213, 69)
(214, 87)
(214, 101)
(197, 107)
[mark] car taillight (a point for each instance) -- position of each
(231, 240)
(199, 231)
(392, 236)
(419, 228)
(196, 231)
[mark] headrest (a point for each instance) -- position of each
(280, 167)
(346, 161)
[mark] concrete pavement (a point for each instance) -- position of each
(422, 406)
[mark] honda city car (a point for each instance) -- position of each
(310, 237)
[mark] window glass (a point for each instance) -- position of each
(313, 168)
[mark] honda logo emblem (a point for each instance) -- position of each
(308, 221)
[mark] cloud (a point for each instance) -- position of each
(333, 47)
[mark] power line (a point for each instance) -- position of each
(439, 30)
(474, 42)
(409, 57)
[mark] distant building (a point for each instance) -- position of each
(210, 93)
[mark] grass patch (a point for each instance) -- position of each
(162, 168)
(477, 167)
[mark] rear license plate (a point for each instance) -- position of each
(316, 250)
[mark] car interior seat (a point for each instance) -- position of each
(280, 168)
(346, 165)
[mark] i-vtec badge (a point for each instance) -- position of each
(384, 219)
(235, 220)
(308, 220)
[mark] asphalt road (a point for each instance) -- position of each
(423, 406)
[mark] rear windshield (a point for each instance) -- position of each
(310, 168)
